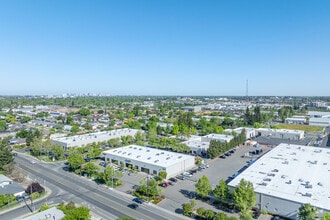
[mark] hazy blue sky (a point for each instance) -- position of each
(181, 47)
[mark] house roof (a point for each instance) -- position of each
(4, 178)
(11, 189)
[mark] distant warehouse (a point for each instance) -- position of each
(289, 176)
(281, 133)
(150, 160)
(83, 140)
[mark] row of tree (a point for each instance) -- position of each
(217, 148)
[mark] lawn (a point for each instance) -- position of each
(306, 128)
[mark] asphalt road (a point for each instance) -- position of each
(107, 203)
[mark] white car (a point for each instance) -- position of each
(33, 162)
(186, 174)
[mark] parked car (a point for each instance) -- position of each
(164, 184)
(138, 200)
(133, 206)
(181, 177)
(223, 156)
(173, 180)
(103, 164)
(187, 174)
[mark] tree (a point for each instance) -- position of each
(6, 158)
(148, 187)
(162, 174)
(34, 187)
(6, 199)
(90, 168)
(57, 150)
(110, 176)
(244, 196)
(175, 129)
(188, 208)
(75, 161)
(3, 125)
(222, 191)
(307, 212)
(326, 216)
(203, 186)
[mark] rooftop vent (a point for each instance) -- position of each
(271, 174)
(308, 194)
(267, 179)
(320, 184)
(275, 170)
(156, 161)
(138, 156)
(263, 184)
(149, 158)
(288, 182)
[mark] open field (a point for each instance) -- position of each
(306, 128)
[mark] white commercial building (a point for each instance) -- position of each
(83, 140)
(150, 160)
(281, 133)
(218, 137)
(296, 119)
(249, 132)
(289, 176)
(319, 118)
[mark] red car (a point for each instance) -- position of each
(164, 184)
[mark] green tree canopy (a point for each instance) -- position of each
(244, 196)
(75, 161)
(222, 191)
(203, 186)
(307, 212)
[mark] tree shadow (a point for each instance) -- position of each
(190, 194)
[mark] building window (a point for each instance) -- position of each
(154, 172)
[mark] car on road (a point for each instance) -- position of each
(133, 205)
(33, 162)
(138, 200)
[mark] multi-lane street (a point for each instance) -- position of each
(65, 186)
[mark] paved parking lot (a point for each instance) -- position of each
(181, 192)
(218, 169)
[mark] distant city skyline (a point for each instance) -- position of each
(184, 48)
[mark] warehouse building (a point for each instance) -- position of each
(281, 133)
(150, 160)
(199, 144)
(319, 118)
(249, 132)
(296, 119)
(289, 176)
(83, 140)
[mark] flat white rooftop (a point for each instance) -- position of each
(98, 136)
(281, 131)
(148, 155)
(219, 137)
(292, 172)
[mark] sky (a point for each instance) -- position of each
(172, 47)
